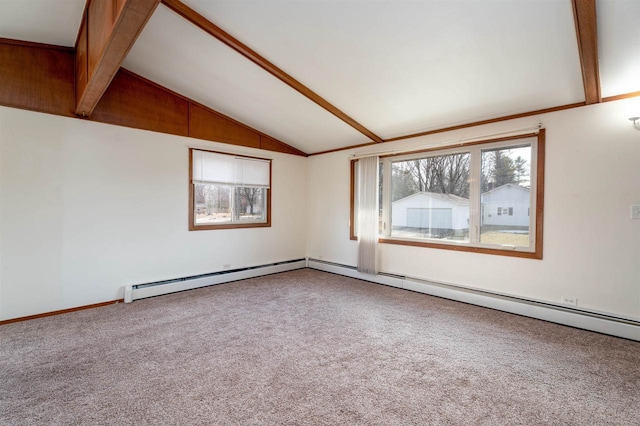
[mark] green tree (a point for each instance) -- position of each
(500, 168)
(504, 170)
(521, 171)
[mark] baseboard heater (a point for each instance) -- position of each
(628, 328)
(141, 291)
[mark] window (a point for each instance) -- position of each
(476, 197)
(228, 191)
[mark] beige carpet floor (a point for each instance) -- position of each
(311, 348)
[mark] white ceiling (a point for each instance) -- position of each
(396, 67)
(42, 21)
(619, 46)
(192, 63)
(399, 67)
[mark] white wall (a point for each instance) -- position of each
(86, 208)
(591, 246)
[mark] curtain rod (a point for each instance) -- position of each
(452, 143)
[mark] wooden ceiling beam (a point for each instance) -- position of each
(584, 14)
(107, 32)
(207, 26)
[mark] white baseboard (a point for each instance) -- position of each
(140, 291)
(593, 321)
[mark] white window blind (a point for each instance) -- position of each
(212, 167)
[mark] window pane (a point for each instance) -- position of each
(249, 204)
(505, 198)
(214, 204)
(430, 197)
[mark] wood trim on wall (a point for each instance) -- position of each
(205, 124)
(466, 249)
(462, 126)
(40, 78)
(37, 77)
(329, 151)
(540, 162)
(267, 142)
(62, 311)
(131, 101)
(483, 122)
(465, 144)
(619, 97)
(270, 144)
(584, 15)
(212, 29)
(489, 121)
(25, 43)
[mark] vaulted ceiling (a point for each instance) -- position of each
(324, 75)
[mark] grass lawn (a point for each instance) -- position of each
(494, 237)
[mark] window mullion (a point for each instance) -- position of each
(232, 201)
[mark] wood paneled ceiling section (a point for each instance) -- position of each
(87, 81)
(401, 69)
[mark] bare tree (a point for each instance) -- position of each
(446, 174)
(200, 193)
(215, 198)
(251, 196)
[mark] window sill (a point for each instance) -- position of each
(460, 247)
(463, 247)
(229, 226)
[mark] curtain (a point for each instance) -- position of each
(367, 215)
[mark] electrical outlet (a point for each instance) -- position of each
(569, 300)
(635, 211)
(226, 266)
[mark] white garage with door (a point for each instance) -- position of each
(429, 210)
(426, 217)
